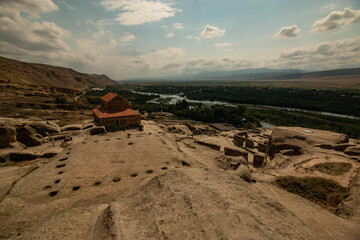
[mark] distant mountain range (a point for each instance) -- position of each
(254, 74)
(13, 71)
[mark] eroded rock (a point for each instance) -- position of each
(7, 136)
(353, 151)
(97, 130)
(45, 128)
(28, 136)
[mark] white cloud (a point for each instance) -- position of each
(288, 32)
(326, 55)
(137, 12)
(31, 7)
(127, 38)
(328, 7)
(28, 34)
(170, 35)
(212, 32)
(224, 45)
(193, 37)
(66, 4)
(337, 19)
(178, 26)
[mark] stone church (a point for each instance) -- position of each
(115, 112)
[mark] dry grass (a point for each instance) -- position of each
(333, 168)
(327, 193)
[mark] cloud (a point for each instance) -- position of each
(137, 12)
(66, 4)
(337, 19)
(28, 34)
(126, 39)
(33, 8)
(212, 32)
(326, 55)
(288, 32)
(193, 37)
(224, 45)
(170, 35)
(178, 26)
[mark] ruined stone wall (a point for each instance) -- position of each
(210, 145)
(234, 152)
(120, 122)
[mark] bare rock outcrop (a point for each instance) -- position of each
(44, 128)
(7, 136)
(97, 130)
(23, 156)
(71, 127)
(353, 151)
(28, 136)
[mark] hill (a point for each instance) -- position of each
(328, 73)
(166, 182)
(16, 72)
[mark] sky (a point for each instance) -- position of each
(127, 39)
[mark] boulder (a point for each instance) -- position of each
(7, 136)
(71, 127)
(97, 130)
(23, 156)
(28, 136)
(44, 128)
(353, 151)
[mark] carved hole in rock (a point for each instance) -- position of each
(76, 188)
(60, 173)
(118, 138)
(57, 181)
(47, 187)
(107, 139)
(70, 149)
(52, 194)
(2, 160)
(63, 159)
(97, 184)
(164, 168)
(130, 143)
(68, 153)
(60, 165)
(116, 179)
(185, 164)
(149, 171)
(134, 175)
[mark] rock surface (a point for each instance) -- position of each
(97, 130)
(28, 136)
(353, 151)
(153, 184)
(71, 127)
(44, 128)
(7, 136)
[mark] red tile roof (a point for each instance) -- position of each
(102, 113)
(109, 96)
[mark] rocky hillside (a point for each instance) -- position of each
(176, 179)
(16, 72)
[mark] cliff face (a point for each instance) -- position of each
(12, 71)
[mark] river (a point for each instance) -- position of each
(177, 98)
